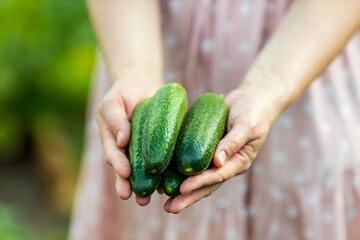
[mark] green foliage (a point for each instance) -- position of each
(11, 228)
(47, 50)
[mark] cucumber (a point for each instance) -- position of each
(142, 182)
(166, 112)
(171, 182)
(202, 129)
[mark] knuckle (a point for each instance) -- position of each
(107, 160)
(233, 145)
(246, 164)
(109, 157)
(221, 177)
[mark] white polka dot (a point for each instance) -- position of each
(243, 214)
(244, 8)
(155, 223)
(223, 202)
(327, 217)
(323, 163)
(304, 143)
(228, 27)
(170, 76)
(298, 178)
(274, 228)
(213, 8)
(230, 233)
(170, 40)
(292, 212)
(344, 146)
(346, 73)
(279, 157)
(311, 200)
(243, 47)
(216, 216)
(207, 45)
(286, 121)
(350, 214)
(345, 111)
(170, 234)
(206, 2)
(270, 6)
(328, 90)
(254, 211)
(257, 168)
(276, 193)
(174, 5)
(329, 182)
(326, 127)
(77, 230)
(308, 108)
(309, 233)
(183, 226)
(356, 181)
(242, 188)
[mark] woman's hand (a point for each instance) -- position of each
(113, 118)
(250, 118)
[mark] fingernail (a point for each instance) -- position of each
(118, 137)
(222, 157)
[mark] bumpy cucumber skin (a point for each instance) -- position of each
(142, 182)
(165, 115)
(202, 129)
(171, 182)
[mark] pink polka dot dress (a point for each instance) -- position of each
(305, 182)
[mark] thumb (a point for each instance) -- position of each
(230, 144)
(117, 121)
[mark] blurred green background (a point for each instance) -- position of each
(47, 51)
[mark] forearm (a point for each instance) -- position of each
(129, 35)
(310, 36)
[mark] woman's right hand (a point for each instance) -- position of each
(113, 119)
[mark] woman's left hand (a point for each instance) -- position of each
(251, 115)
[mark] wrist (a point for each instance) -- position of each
(144, 74)
(263, 82)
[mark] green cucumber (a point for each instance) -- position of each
(166, 112)
(142, 182)
(171, 182)
(202, 129)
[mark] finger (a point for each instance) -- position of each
(238, 164)
(113, 155)
(114, 113)
(181, 202)
(123, 187)
(143, 201)
(230, 145)
(168, 204)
